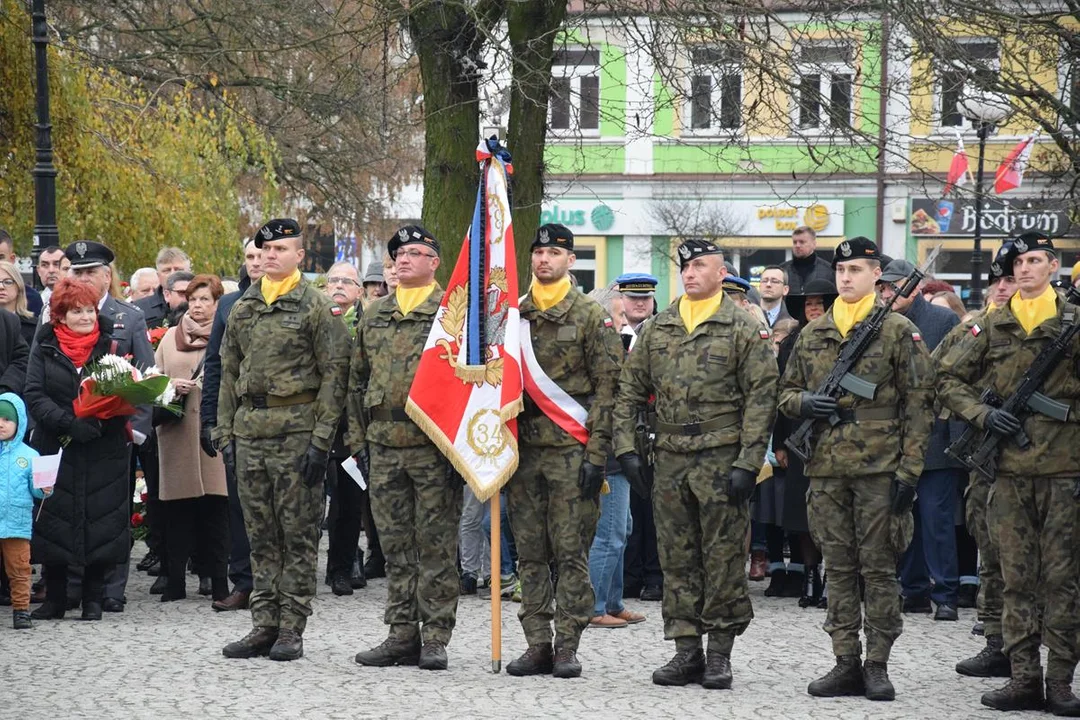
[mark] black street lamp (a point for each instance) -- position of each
(986, 111)
(46, 233)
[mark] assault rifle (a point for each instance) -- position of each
(840, 378)
(978, 449)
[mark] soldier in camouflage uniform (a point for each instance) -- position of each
(864, 469)
(991, 660)
(1033, 508)
(415, 493)
(284, 373)
(714, 380)
(553, 498)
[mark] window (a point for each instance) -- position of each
(575, 91)
(978, 60)
(715, 89)
(824, 86)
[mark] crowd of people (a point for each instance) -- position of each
(679, 484)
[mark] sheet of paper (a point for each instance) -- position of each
(45, 469)
(349, 465)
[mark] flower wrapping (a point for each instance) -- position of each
(114, 387)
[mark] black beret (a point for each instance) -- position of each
(1002, 265)
(1033, 241)
(87, 254)
(277, 229)
(694, 248)
(554, 235)
(411, 235)
(856, 248)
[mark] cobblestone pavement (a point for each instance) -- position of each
(163, 660)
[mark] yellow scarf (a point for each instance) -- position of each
(845, 314)
(273, 289)
(546, 297)
(1032, 313)
(694, 312)
(408, 299)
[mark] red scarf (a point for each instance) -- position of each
(76, 347)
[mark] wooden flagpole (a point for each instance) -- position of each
(496, 585)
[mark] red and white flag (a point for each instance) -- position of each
(1010, 174)
(467, 390)
(958, 168)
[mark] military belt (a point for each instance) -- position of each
(274, 401)
(864, 414)
(397, 414)
(698, 428)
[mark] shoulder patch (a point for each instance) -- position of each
(916, 337)
(763, 333)
(335, 310)
(22, 462)
(975, 330)
(608, 322)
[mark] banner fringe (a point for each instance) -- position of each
(474, 374)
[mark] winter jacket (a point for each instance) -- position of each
(86, 520)
(14, 352)
(17, 491)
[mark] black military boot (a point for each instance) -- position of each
(1060, 699)
(341, 584)
(91, 610)
(256, 643)
(537, 660)
(846, 678)
(49, 610)
(20, 620)
(566, 664)
(876, 680)
(717, 671)
(777, 583)
(990, 662)
(688, 666)
(433, 656)
(289, 645)
(391, 651)
(1023, 694)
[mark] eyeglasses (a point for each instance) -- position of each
(771, 281)
(7, 282)
(341, 281)
(413, 254)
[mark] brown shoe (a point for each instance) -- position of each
(759, 564)
(631, 618)
(607, 622)
(236, 601)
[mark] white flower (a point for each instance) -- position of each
(115, 361)
(167, 396)
(152, 371)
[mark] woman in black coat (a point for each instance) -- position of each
(85, 522)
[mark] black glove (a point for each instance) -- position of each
(1000, 422)
(590, 480)
(86, 430)
(363, 461)
(205, 442)
(228, 456)
(901, 497)
(636, 474)
(812, 405)
(741, 484)
(313, 465)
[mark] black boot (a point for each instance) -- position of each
(433, 656)
(717, 672)
(20, 620)
(160, 583)
(340, 584)
(391, 651)
(289, 646)
(49, 610)
(357, 580)
(876, 679)
(375, 567)
(566, 664)
(255, 643)
(794, 585)
(967, 595)
(777, 583)
(990, 662)
(688, 666)
(815, 587)
(206, 586)
(91, 609)
(846, 678)
(537, 660)
(175, 589)
(1024, 694)
(1060, 699)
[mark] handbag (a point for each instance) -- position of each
(168, 416)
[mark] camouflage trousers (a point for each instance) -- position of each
(991, 586)
(551, 523)
(1036, 526)
(701, 539)
(282, 516)
(851, 523)
(416, 503)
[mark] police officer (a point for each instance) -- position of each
(1033, 504)
(564, 439)
(415, 493)
(284, 372)
(863, 469)
(711, 367)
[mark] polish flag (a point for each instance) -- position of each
(958, 168)
(1010, 174)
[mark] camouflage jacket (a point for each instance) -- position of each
(898, 363)
(296, 345)
(576, 345)
(385, 357)
(725, 366)
(994, 354)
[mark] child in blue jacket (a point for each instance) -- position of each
(17, 493)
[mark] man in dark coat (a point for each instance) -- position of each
(805, 265)
(14, 353)
(932, 553)
(155, 307)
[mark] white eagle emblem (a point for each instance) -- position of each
(267, 233)
(81, 249)
(684, 252)
(403, 235)
(1021, 246)
(544, 237)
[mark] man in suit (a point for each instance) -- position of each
(156, 307)
(773, 287)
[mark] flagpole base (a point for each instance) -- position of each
(496, 666)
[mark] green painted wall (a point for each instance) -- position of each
(769, 157)
(860, 217)
(578, 159)
(614, 257)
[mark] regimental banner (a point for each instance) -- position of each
(468, 386)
